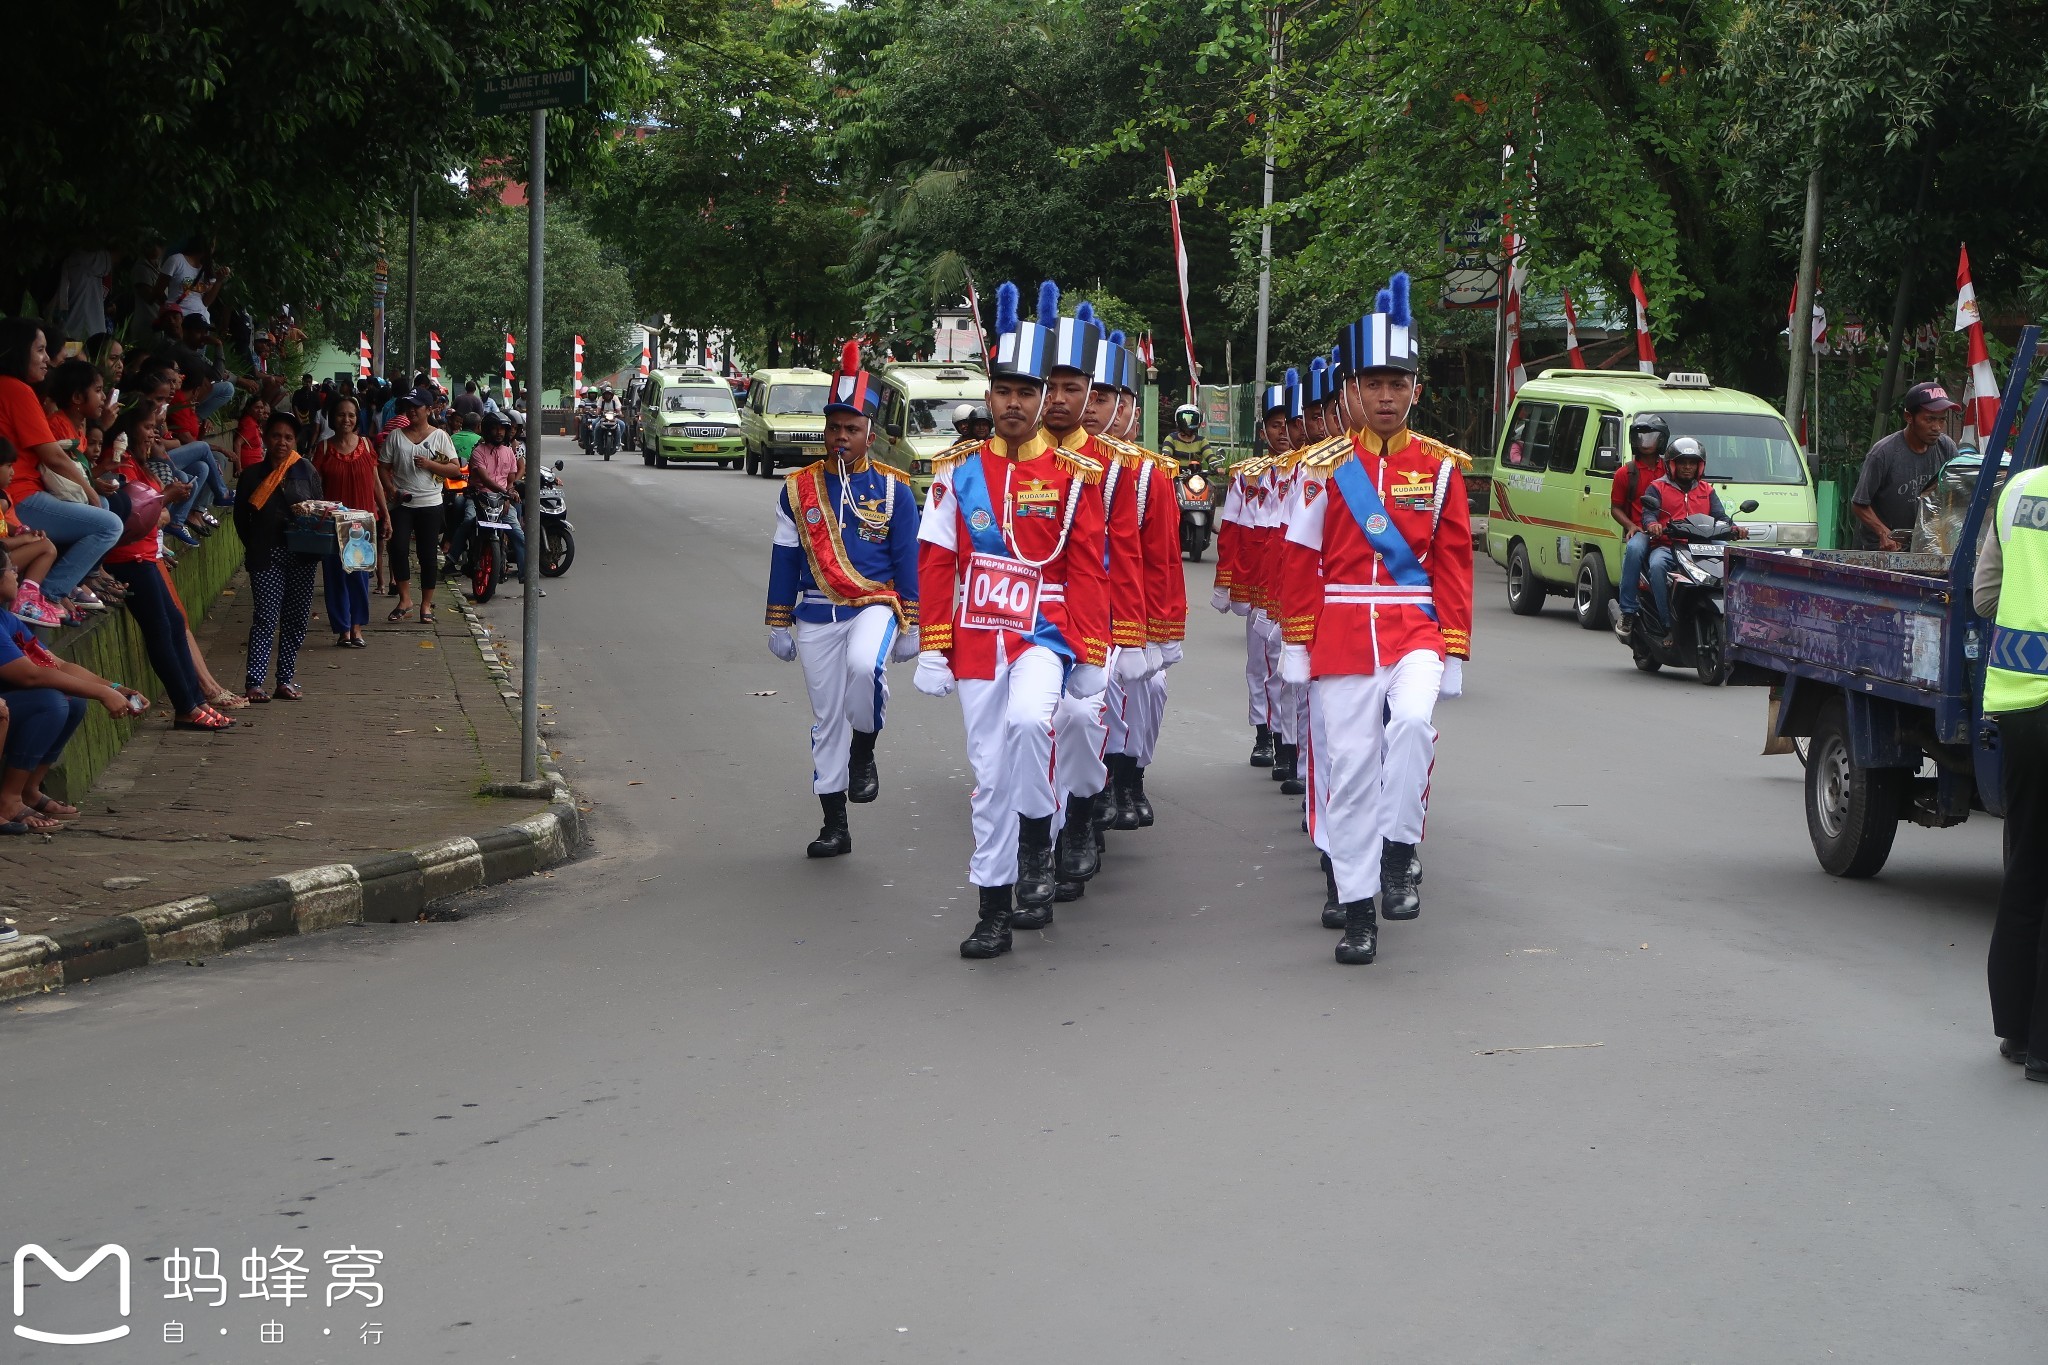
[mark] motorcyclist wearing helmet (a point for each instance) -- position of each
(1648, 435)
(971, 420)
(1683, 491)
(608, 402)
(1186, 442)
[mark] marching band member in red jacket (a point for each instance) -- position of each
(1015, 606)
(1134, 742)
(1377, 617)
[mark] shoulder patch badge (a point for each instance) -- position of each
(979, 519)
(814, 515)
(1376, 524)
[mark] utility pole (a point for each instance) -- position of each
(412, 289)
(1266, 226)
(529, 627)
(1799, 332)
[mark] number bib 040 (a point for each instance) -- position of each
(1002, 594)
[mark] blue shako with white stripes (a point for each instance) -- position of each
(1384, 339)
(1074, 342)
(1108, 368)
(1127, 368)
(1274, 401)
(1023, 348)
(1319, 380)
(1291, 383)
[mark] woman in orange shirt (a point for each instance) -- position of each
(347, 466)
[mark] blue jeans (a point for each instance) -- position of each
(1632, 555)
(1663, 560)
(348, 595)
(162, 625)
(197, 464)
(40, 722)
(83, 532)
(219, 394)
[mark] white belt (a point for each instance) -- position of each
(1379, 594)
(1052, 592)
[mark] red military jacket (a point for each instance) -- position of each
(1237, 543)
(1156, 510)
(1074, 595)
(1338, 596)
(1124, 470)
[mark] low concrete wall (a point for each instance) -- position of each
(111, 646)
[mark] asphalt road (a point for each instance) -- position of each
(698, 1099)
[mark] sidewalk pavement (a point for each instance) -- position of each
(387, 752)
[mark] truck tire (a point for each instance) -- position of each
(1590, 592)
(1525, 589)
(1852, 813)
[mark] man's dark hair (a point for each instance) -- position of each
(471, 421)
(469, 386)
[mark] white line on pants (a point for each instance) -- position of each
(1374, 746)
(1262, 667)
(846, 672)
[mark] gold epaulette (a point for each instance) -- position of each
(952, 455)
(1327, 453)
(1251, 468)
(1442, 451)
(900, 475)
(1085, 469)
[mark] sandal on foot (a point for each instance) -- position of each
(29, 821)
(42, 804)
(398, 613)
(228, 701)
(289, 692)
(257, 694)
(205, 718)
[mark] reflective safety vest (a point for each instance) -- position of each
(2016, 674)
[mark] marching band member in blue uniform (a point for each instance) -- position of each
(842, 595)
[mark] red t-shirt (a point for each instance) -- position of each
(248, 442)
(22, 422)
(1631, 481)
(183, 420)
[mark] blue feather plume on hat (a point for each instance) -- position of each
(1397, 288)
(1292, 379)
(1085, 314)
(1318, 365)
(1383, 302)
(1048, 304)
(1006, 308)
(1116, 338)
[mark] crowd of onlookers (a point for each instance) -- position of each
(130, 425)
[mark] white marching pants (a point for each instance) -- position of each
(1144, 709)
(846, 672)
(1262, 667)
(1374, 748)
(1080, 728)
(1114, 711)
(1011, 747)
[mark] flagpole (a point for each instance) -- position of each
(1802, 299)
(1266, 222)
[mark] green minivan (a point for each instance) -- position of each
(687, 415)
(918, 399)
(784, 419)
(1552, 478)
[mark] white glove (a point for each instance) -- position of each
(1240, 609)
(1220, 599)
(1294, 664)
(1453, 684)
(1087, 680)
(1169, 654)
(782, 644)
(905, 646)
(1153, 661)
(1130, 664)
(933, 678)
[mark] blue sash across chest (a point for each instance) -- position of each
(985, 529)
(1362, 500)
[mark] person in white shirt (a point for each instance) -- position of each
(415, 459)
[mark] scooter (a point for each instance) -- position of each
(1698, 638)
(1197, 511)
(586, 428)
(611, 434)
(557, 536)
(490, 543)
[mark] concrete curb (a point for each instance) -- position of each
(387, 888)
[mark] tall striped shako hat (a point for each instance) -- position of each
(852, 388)
(1127, 368)
(1108, 367)
(1075, 341)
(1294, 394)
(1023, 348)
(1319, 380)
(1384, 339)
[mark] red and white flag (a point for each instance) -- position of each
(579, 367)
(1646, 354)
(434, 357)
(1571, 333)
(1511, 316)
(362, 355)
(1980, 399)
(1820, 317)
(646, 356)
(974, 312)
(510, 347)
(1180, 266)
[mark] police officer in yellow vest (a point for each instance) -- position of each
(2011, 588)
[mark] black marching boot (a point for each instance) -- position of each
(1293, 784)
(991, 937)
(834, 839)
(1262, 747)
(1104, 817)
(1400, 880)
(1138, 801)
(1283, 762)
(1333, 910)
(1078, 857)
(1034, 872)
(1121, 769)
(863, 783)
(1361, 940)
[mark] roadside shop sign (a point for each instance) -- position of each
(523, 92)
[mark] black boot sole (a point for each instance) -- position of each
(1333, 917)
(821, 848)
(1401, 909)
(1294, 786)
(1352, 957)
(974, 950)
(1037, 917)
(1064, 892)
